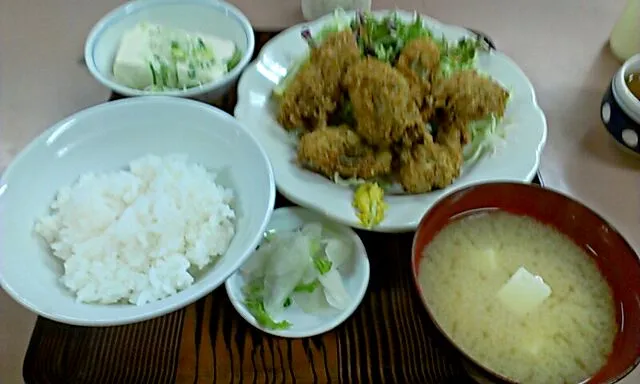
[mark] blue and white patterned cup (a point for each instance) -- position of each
(620, 109)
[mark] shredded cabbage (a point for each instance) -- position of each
(354, 182)
(339, 22)
(485, 135)
(459, 55)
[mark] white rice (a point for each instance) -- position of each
(136, 236)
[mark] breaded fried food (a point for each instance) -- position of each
(419, 62)
(466, 96)
(384, 110)
(331, 150)
(432, 165)
(315, 90)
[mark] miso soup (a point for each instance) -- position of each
(520, 298)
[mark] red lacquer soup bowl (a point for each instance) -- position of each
(615, 258)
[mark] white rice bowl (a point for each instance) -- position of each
(133, 235)
(78, 281)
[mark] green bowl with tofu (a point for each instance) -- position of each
(529, 285)
(186, 48)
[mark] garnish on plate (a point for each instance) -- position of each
(299, 267)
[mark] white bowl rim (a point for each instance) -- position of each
(142, 313)
(128, 8)
(628, 102)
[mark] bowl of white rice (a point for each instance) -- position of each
(131, 209)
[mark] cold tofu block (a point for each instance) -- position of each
(132, 65)
(523, 292)
(483, 261)
(223, 50)
(154, 56)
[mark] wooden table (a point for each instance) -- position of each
(389, 338)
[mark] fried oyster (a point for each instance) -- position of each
(339, 150)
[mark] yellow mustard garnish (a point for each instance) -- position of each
(368, 200)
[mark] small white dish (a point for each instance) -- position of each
(355, 276)
(106, 138)
(213, 17)
(516, 159)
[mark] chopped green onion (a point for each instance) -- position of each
(254, 294)
(177, 53)
(256, 308)
(310, 287)
(269, 235)
(322, 265)
(164, 74)
(153, 74)
(234, 60)
(192, 71)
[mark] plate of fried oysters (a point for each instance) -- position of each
(371, 117)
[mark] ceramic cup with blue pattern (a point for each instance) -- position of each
(620, 109)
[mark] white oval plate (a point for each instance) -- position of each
(355, 276)
(515, 160)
